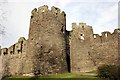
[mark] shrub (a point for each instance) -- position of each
(104, 70)
(115, 73)
(109, 71)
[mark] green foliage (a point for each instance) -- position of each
(109, 71)
(104, 71)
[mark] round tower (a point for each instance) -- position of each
(46, 48)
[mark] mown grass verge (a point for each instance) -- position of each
(66, 76)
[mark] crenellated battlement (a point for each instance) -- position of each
(96, 36)
(34, 11)
(74, 24)
(4, 51)
(11, 49)
(84, 29)
(15, 48)
(21, 39)
(85, 45)
(43, 9)
(81, 26)
(45, 26)
(106, 36)
(117, 31)
(56, 11)
(13, 58)
(49, 45)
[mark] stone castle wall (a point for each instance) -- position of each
(46, 49)
(80, 42)
(50, 49)
(88, 50)
(13, 58)
(106, 50)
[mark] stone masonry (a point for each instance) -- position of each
(80, 42)
(46, 51)
(88, 50)
(13, 58)
(50, 49)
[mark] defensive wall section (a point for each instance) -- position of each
(50, 49)
(13, 58)
(89, 50)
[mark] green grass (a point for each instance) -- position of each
(66, 76)
(94, 72)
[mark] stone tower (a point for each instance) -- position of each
(80, 40)
(46, 51)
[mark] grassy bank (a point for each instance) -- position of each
(66, 76)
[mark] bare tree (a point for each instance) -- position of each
(3, 18)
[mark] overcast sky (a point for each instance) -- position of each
(102, 15)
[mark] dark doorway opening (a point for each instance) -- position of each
(68, 62)
(68, 51)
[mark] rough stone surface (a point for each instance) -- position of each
(13, 59)
(88, 50)
(46, 49)
(106, 51)
(80, 42)
(50, 49)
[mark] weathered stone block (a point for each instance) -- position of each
(18, 48)
(11, 49)
(4, 51)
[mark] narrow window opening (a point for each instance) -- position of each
(11, 52)
(41, 47)
(106, 35)
(18, 51)
(4, 53)
(56, 12)
(83, 27)
(95, 36)
(43, 10)
(82, 36)
(62, 29)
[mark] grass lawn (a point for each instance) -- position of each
(66, 76)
